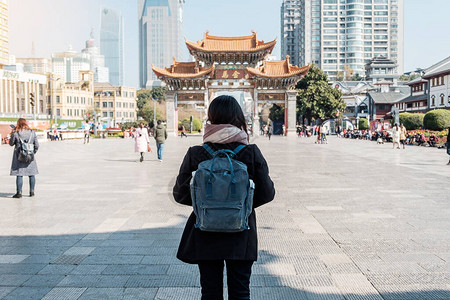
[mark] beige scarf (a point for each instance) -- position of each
(224, 134)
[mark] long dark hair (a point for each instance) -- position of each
(226, 110)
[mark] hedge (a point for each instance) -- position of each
(363, 124)
(411, 121)
(438, 119)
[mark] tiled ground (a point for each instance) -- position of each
(351, 220)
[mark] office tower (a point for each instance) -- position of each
(160, 37)
(341, 36)
(111, 43)
(4, 33)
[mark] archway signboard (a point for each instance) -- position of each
(230, 64)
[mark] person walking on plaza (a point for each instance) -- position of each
(87, 133)
(160, 136)
(270, 129)
(183, 131)
(396, 136)
(141, 141)
(211, 250)
(403, 135)
(23, 137)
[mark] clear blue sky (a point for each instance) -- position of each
(54, 24)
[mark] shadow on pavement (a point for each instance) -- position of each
(141, 264)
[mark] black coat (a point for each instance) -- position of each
(197, 245)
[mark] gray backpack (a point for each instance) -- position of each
(26, 149)
(222, 192)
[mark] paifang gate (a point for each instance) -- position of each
(229, 64)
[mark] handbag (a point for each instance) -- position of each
(149, 149)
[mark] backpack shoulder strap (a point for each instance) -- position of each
(238, 148)
(208, 149)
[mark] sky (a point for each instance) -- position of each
(53, 25)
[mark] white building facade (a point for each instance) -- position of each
(96, 60)
(160, 37)
(15, 89)
(67, 65)
(438, 77)
(339, 35)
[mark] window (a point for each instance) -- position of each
(442, 99)
(105, 104)
(433, 100)
(105, 114)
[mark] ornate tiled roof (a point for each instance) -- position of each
(183, 70)
(248, 43)
(278, 69)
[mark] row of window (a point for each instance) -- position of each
(437, 81)
(118, 114)
(441, 98)
(118, 104)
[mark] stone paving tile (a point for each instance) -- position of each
(102, 293)
(112, 259)
(277, 293)
(136, 269)
(186, 269)
(5, 290)
(178, 293)
(27, 293)
(141, 293)
(390, 292)
(13, 280)
(88, 269)
(64, 293)
(274, 269)
(108, 251)
(21, 268)
(153, 260)
(322, 293)
(56, 269)
(163, 281)
(46, 280)
(12, 259)
(299, 280)
(106, 281)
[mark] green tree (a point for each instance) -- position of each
(143, 97)
(146, 112)
(316, 99)
(159, 93)
(357, 77)
(363, 124)
(276, 113)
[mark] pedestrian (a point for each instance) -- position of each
(160, 135)
(87, 132)
(396, 136)
(141, 141)
(270, 129)
(21, 134)
(183, 131)
(403, 135)
(226, 130)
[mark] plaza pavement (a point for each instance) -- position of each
(351, 220)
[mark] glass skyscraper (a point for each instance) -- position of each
(339, 35)
(160, 37)
(111, 44)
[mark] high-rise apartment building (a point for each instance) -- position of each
(160, 37)
(111, 43)
(4, 33)
(341, 36)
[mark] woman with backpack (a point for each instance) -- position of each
(226, 130)
(25, 145)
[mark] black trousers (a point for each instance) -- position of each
(238, 279)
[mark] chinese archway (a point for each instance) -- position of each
(228, 64)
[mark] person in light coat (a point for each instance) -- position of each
(396, 132)
(141, 141)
